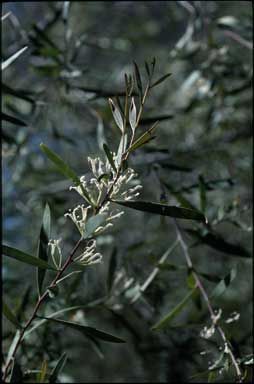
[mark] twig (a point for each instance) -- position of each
(207, 301)
(37, 306)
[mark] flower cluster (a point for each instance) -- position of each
(89, 256)
(104, 179)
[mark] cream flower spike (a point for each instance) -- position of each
(79, 217)
(89, 256)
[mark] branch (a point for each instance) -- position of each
(207, 301)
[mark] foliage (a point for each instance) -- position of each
(107, 109)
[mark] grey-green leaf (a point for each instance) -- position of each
(93, 223)
(133, 115)
(138, 78)
(11, 59)
(43, 245)
(58, 368)
(143, 139)
(87, 330)
(116, 114)
(16, 373)
(64, 168)
(163, 209)
(12, 119)
(224, 283)
(160, 80)
(25, 257)
(109, 156)
(174, 312)
(10, 315)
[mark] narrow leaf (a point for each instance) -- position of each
(87, 330)
(143, 139)
(202, 194)
(160, 80)
(109, 156)
(58, 368)
(174, 312)
(163, 209)
(64, 168)
(43, 245)
(121, 149)
(43, 372)
(116, 114)
(93, 223)
(12, 119)
(138, 78)
(133, 115)
(16, 373)
(9, 315)
(224, 283)
(25, 257)
(215, 241)
(11, 59)
(111, 269)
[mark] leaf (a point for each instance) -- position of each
(58, 368)
(13, 120)
(121, 149)
(179, 197)
(111, 269)
(109, 156)
(174, 312)
(87, 330)
(19, 93)
(215, 241)
(11, 59)
(93, 223)
(143, 139)
(202, 193)
(163, 209)
(224, 283)
(9, 315)
(43, 246)
(133, 115)
(43, 372)
(16, 373)
(138, 78)
(116, 114)
(160, 80)
(25, 257)
(64, 168)
(24, 302)
(153, 119)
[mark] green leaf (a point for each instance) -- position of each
(25, 258)
(133, 115)
(12, 119)
(43, 246)
(42, 375)
(224, 283)
(179, 197)
(109, 156)
(174, 312)
(121, 149)
(143, 139)
(160, 80)
(215, 241)
(93, 223)
(16, 373)
(163, 209)
(202, 193)
(138, 78)
(11, 59)
(23, 303)
(58, 368)
(87, 330)
(153, 119)
(111, 269)
(9, 315)
(64, 168)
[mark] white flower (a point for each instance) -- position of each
(54, 246)
(89, 256)
(79, 217)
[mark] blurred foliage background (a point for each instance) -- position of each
(78, 53)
